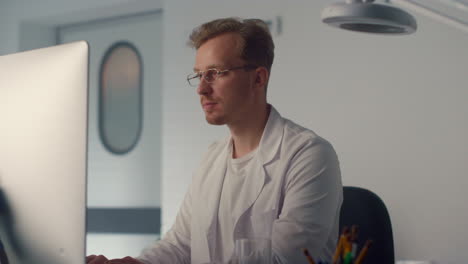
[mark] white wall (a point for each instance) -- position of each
(29, 24)
(393, 106)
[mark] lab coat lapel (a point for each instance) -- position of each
(267, 149)
(212, 186)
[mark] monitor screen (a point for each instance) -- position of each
(43, 153)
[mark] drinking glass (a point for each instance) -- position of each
(253, 251)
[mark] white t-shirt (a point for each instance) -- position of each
(236, 172)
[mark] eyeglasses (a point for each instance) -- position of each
(211, 75)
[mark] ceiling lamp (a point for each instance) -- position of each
(366, 16)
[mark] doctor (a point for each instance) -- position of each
(271, 178)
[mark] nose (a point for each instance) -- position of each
(204, 87)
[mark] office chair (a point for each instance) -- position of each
(365, 209)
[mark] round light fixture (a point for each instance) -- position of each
(365, 16)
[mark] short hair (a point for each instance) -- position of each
(258, 47)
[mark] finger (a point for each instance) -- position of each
(89, 258)
(126, 260)
(132, 260)
(98, 260)
(116, 261)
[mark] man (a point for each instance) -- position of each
(270, 178)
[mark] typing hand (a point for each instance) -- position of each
(126, 260)
(93, 259)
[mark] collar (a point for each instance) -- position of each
(271, 137)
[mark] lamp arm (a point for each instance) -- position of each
(432, 13)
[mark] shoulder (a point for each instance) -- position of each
(297, 137)
(217, 146)
(214, 152)
(310, 158)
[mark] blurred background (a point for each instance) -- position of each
(394, 107)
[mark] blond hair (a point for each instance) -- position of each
(258, 47)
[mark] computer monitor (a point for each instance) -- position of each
(43, 153)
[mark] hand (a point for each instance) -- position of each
(126, 260)
(93, 259)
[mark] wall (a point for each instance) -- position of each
(393, 106)
(30, 24)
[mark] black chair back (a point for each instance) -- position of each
(364, 208)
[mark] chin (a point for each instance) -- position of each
(215, 121)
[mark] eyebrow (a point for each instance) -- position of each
(211, 66)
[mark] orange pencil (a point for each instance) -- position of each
(309, 258)
(354, 233)
(363, 252)
(339, 247)
(347, 246)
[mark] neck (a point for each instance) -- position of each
(247, 133)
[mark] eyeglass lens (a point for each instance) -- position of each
(208, 75)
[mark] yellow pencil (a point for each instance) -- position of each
(339, 247)
(346, 247)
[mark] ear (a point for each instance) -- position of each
(261, 77)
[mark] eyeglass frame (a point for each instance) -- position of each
(201, 74)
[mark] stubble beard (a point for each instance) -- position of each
(217, 121)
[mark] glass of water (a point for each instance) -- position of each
(253, 251)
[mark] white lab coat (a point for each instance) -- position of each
(294, 198)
